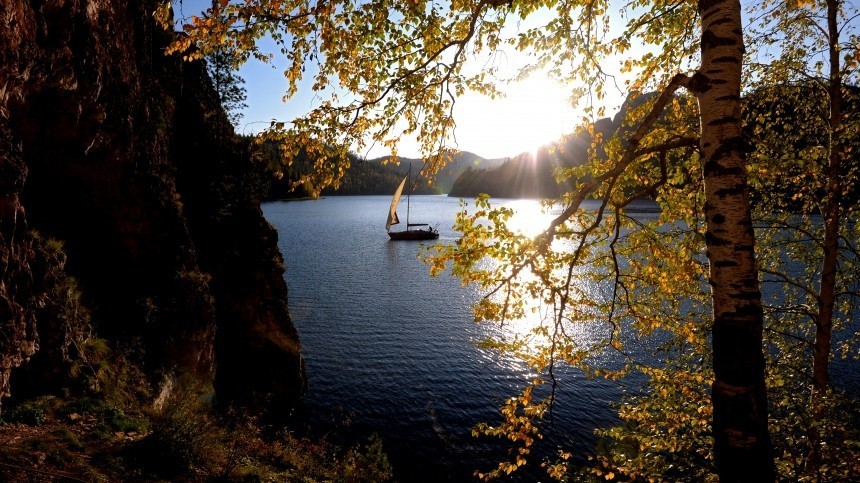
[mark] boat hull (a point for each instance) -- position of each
(413, 235)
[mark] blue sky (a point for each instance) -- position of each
(534, 112)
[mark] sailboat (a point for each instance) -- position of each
(413, 231)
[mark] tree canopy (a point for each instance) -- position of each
(228, 84)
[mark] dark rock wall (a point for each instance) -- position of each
(222, 184)
(126, 157)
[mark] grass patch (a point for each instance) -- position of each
(186, 440)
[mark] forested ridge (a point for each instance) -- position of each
(378, 176)
(364, 177)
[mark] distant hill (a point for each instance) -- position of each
(527, 176)
(378, 177)
(466, 174)
(372, 177)
(444, 180)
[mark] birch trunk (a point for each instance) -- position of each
(741, 439)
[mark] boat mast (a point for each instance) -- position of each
(409, 183)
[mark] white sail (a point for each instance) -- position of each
(392, 212)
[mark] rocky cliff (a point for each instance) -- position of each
(129, 210)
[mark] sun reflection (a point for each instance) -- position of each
(540, 320)
(579, 324)
(583, 326)
(530, 218)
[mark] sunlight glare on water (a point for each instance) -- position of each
(530, 219)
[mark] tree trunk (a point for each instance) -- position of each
(741, 439)
(831, 214)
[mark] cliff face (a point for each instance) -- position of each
(126, 157)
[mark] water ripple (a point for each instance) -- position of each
(395, 349)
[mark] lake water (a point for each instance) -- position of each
(392, 351)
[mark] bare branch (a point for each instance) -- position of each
(784, 278)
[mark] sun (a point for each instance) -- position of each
(535, 111)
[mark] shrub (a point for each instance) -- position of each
(185, 438)
(110, 417)
(32, 413)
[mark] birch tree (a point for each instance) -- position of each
(741, 438)
(814, 63)
(803, 70)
